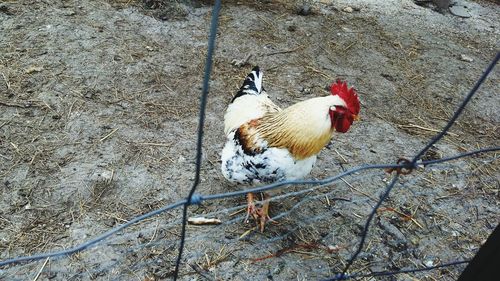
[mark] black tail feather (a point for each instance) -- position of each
(252, 84)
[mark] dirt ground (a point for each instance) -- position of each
(99, 110)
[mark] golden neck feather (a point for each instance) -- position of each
(303, 128)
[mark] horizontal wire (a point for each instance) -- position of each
(276, 185)
(343, 275)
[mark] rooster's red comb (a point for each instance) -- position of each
(349, 95)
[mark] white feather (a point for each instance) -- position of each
(274, 164)
(247, 108)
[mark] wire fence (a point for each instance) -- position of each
(400, 169)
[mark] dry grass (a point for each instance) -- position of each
(36, 131)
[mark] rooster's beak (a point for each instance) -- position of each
(357, 118)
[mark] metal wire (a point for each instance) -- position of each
(193, 198)
(93, 241)
(413, 164)
(201, 124)
(455, 116)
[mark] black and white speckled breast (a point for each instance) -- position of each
(269, 165)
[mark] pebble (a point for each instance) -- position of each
(181, 159)
(32, 69)
(333, 248)
(69, 13)
(305, 91)
(429, 263)
(6, 10)
(304, 10)
(460, 11)
(109, 222)
(466, 58)
(348, 9)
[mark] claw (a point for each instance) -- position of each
(260, 215)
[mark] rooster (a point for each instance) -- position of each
(266, 144)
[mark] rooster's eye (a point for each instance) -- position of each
(339, 109)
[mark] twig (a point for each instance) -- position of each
(237, 212)
(6, 122)
(108, 135)
(6, 81)
(447, 196)
(306, 253)
(71, 108)
(357, 190)
(283, 51)
(155, 232)
(319, 72)
(15, 147)
(41, 269)
(407, 217)
(349, 46)
(48, 106)
(5, 157)
(198, 270)
(426, 129)
(114, 217)
(243, 62)
(266, 21)
(245, 233)
(15, 104)
(343, 158)
(154, 144)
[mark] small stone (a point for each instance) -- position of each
(69, 13)
(241, 62)
(429, 263)
(304, 10)
(460, 11)
(333, 248)
(387, 76)
(89, 94)
(32, 69)
(109, 222)
(466, 58)
(6, 10)
(181, 159)
(305, 91)
(348, 9)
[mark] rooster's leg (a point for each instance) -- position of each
(259, 214)
(264, 211)
(251, 209)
